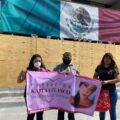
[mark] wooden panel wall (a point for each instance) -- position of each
(16, 51)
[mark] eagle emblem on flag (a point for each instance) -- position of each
(80, 22)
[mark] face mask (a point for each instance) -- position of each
(66, 61)
(37, 64)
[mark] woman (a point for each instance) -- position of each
(35, 64)
(81, 99)
(107, 71)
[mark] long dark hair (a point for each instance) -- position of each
(31, 65)
(77, 96)
(77, 100)
(113, 64)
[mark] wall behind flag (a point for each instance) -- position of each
(16, 51)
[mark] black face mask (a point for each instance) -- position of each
(66, 61)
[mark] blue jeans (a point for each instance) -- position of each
(113, 101)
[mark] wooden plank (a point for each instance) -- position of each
(16, 51)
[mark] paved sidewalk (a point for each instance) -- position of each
(12, 107)
(19, 113)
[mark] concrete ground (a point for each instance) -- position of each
(12, 107)
(19, 113)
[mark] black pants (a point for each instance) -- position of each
(39, 116)
(61, 115)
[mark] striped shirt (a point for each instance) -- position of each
(71, 69)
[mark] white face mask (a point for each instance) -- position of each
(37, 64)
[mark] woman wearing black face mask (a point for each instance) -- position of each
(66, 61)
(66, 67)
(35, 64)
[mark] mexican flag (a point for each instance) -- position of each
(60, 19)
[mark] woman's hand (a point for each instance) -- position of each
(105, 82)
(113, 81)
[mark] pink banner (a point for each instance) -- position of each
(52, 90)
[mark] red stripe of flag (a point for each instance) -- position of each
(109, 25)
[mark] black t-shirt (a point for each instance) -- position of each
(106, 74)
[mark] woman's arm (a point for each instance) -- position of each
(113, 81)
(21, 76)
(96, 76)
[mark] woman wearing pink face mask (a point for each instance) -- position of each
(35, 64)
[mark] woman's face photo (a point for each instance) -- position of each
(86, 89)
